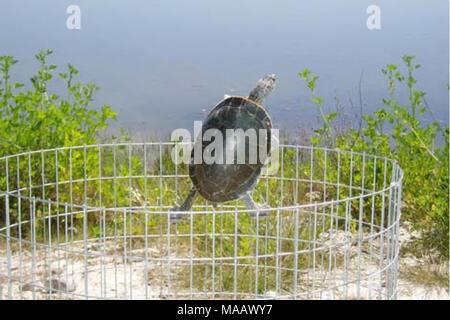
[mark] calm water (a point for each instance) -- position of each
(160, 63)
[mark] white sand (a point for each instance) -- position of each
(113, 276)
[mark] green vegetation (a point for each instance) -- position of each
(398, 131)
(33, 119)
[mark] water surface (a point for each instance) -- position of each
(162, 64)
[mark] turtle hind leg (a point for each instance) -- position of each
(247, 199)
(186, 206)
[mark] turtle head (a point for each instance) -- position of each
(263, 88)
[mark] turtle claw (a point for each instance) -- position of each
(175, 217)
(260, 214)
(253, 207)
(186, 206)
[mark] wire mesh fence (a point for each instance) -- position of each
(92, 222)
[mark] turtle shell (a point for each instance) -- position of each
(225, 181)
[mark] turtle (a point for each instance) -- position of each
(222, 181)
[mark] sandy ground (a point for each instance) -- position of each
(408, 289)
(110, 274)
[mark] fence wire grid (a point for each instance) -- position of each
(92, 222)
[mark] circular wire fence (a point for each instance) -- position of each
(92, 222)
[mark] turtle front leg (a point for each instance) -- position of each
(247, 199)
(186, 206)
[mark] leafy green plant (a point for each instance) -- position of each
(35, 119)
(324, 134)
(398, 131)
